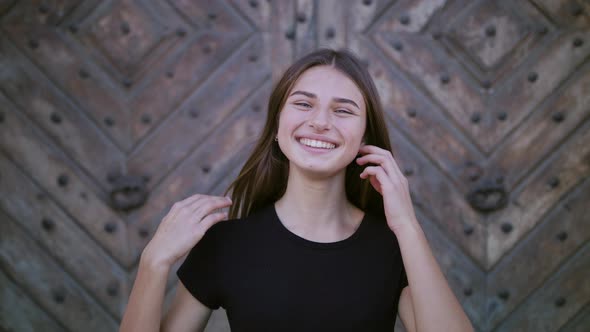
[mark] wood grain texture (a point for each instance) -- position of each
(43, 277)
(19, 313)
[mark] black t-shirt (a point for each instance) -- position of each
(270, 279)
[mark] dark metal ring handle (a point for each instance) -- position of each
(128, 192)
(488, 197)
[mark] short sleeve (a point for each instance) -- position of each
(198, 272)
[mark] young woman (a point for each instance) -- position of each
(321, 235)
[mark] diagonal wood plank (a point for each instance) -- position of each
(258, 13)
(580, 322)
(28, 264)
(48, 224)
(201, 112)
(49, 168)
(47, 107)
(521, 94)
(543, 132)
(425, 124)
(437, 198)
(557, 237)
(25, 315)
(182, 74)
(440, 77)
(556, 301)
(546, 185)
(82, 80)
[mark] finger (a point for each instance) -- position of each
(183, 204)
(209, 205)
(368, 149)
(194, 205)
(380, 174)
(381, 160)
(211, 220)
(191, 200)
(370, 157)
(372, 149)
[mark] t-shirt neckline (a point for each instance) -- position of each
(313, 244)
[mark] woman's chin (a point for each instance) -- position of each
(318, 171)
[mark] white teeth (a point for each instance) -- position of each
(316, 144)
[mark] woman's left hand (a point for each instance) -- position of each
(390, 182)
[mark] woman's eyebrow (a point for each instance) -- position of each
(345, 101)
(305, 93)
(313, 96)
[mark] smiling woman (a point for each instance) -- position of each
(321, 120)
(321, 234)
(326, 96)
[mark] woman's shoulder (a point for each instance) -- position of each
(239, 226)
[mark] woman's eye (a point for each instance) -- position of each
(343, 111)
(303, 104)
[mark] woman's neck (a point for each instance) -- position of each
(318, 207)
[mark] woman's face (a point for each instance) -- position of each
(323, 121)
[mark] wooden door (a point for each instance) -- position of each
(111, 111)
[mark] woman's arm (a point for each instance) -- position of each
(179, 231)
(186, 313)
(406, 311)
(434, 307)
(144, 309)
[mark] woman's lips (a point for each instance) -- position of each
(315, 143)
(315, 150)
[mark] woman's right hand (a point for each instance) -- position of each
(183, 227)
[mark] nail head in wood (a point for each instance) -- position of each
(491, 31)
(504, 294)
(34, 44)
(48, 224)
(533, 77)
(110, 227)
(506, 227)
(560, 302)
(146, 119)
(404, 19)
(558, 117)
(62, 180)
(109, 121)
(553, 182)
(55, 117)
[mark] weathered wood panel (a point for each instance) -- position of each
(111, 111)
(19, 313)
(22, 143)
(59, 294)
(50, 226)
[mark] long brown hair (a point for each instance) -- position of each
(263, 178)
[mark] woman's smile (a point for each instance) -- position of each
(322, 122)
(315, 146)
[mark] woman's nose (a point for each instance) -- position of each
(320, 120)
